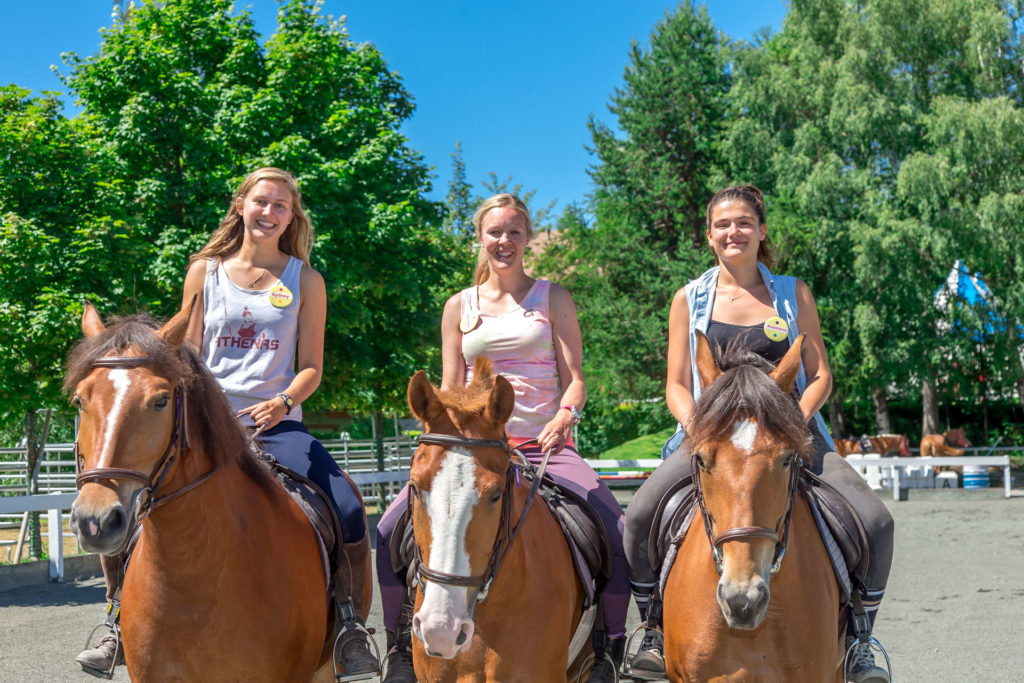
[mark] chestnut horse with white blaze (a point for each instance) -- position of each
(225, 581)
(498, 598)
(751, 595)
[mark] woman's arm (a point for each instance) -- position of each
(679, 382)
(193, 293)
(453, 364)
(565, 332)
(309, 351)
(819, 376)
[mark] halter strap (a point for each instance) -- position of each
(506, 534)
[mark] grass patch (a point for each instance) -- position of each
(641, 448)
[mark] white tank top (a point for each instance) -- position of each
(520, 346)
(248, 343)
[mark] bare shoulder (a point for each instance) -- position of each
(310, 277)
(803, 292)
(559, 298)
(196, 270)
(679, 299)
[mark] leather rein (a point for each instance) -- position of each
(506, 534)
(779, 535)
(145, 500)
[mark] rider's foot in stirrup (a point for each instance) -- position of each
(861, 666)
(101, 659)
(355, 656)
(398, 665)
(649, 661)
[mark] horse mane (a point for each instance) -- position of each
(472, 399)
(746, 390)
(211, 421)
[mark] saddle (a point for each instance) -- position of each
(840, 528)
(588, 540)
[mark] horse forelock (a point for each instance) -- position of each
(745, 392)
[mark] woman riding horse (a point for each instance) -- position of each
(258, 314)
(529, 330)
(740, 301)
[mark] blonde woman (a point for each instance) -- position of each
(258, 316)
(529, 330)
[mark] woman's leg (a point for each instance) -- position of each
(392, 587)
(295, 448)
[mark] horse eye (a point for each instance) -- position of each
(495, 496)
(76, 401)
(700, 464)
(162, 402)
(788, 462)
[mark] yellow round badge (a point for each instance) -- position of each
(776, 329)
(280, 296)
(469, 321)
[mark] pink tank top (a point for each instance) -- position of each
(520, 346)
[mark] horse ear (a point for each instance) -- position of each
(173, 331)
(501, 401)
(92, 324)
(422, 397)
(707, 369)
(785, 374)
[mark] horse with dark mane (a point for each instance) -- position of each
(225, 581)
(951, 443)
(751, 594)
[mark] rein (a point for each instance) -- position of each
(779, 535)
(506, 534)
(145, 501)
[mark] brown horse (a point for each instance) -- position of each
(728, 614)
(498, 598)
(884, 444)
(225, 581)
(945, 444)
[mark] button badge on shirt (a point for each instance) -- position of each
(776, 329)
(469, 321)
(280, 296)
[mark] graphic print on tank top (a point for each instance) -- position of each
(248, 336)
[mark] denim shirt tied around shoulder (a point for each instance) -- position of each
(700, 297)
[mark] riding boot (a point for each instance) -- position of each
(399, 659)
(353, 594)
(649, 661)
(606, 665)
(100, 660)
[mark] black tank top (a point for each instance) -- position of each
(750, 337)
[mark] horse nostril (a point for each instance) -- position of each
(115, 520)
(461, 640)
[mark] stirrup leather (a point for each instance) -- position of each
(113, 624)
(347, 614)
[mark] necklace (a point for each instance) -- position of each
(263, 271)
(738, 296)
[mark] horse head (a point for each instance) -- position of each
(460, 491)
(957, 438)
(125, 382)
(748, 438)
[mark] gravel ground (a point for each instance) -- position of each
(952, 612)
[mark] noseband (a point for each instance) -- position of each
(506, 534)
(779, 535)
(145, 501)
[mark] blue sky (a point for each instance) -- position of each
(514, 81)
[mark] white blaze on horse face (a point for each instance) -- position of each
(121, 380)
(744, 433)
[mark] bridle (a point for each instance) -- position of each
(506, 534)
(779, 535)
(145, 501)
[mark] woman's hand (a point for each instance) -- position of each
(266, 414)
(556, 433)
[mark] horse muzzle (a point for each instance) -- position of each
(101, 521)
(744, 604)
(436, 624)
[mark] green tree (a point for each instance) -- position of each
(459, 201)
(187, 101)
(646, 236)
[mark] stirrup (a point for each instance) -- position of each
(113, 624)
(347, 612)
(872, 643)
(627, 658)
(592, 657)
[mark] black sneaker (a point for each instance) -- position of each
(861, 667)
(649, 661)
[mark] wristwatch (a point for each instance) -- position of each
(576, 417)
(288, 402)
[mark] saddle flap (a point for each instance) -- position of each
(317, 508)
(669, 519)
